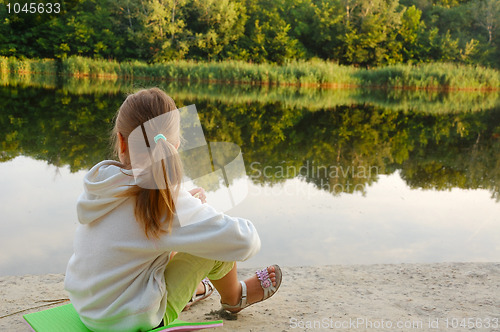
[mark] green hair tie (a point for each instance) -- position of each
(158, 137)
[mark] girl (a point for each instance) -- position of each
(122, 276)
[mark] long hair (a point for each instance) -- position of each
(154, 208)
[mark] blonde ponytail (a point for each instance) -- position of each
(155, 205)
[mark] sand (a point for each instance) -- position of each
(402, 297)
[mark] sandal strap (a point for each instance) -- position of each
(263, 276)
(265, 283)
(243, 301)
(207, 291)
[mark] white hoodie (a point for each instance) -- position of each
(115, 277)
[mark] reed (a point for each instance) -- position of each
(306, 98)
(4, 64)
(27, 66)
(432, 76)
(83, 67)
(315, 73)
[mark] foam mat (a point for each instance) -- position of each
(65, 319)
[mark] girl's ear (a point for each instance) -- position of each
(123, 143)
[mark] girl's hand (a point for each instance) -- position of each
(199, 193)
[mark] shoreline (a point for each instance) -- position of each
(433, 76)
(328, 86)
(403, 297)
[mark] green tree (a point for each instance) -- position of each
(157, 28)
(267, 36)
(411, 32)
(487, 16)
(370, 32)
(316, 24)
(216, 25)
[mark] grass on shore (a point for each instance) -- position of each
(27, 66)
(312, 99)
(299, 73)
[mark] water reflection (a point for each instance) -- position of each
(429, 102)
(343, 181)
(391, 223)
(298, 224)
(38, 216)
(432, 151)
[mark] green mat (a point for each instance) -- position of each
(65, 319)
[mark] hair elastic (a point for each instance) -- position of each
(158, 137)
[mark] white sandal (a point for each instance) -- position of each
(265, 283)
(209, 289)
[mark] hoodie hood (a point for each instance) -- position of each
(101, 185)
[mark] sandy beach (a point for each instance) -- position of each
(401, 297)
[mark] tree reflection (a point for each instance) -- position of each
(340, 149)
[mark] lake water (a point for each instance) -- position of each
(333, 176)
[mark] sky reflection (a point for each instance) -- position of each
(298, 224)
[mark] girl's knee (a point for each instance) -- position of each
(220, 270)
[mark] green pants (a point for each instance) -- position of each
(182, 276)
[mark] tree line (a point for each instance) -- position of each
(356, 32)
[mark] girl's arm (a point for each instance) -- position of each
(202, 231)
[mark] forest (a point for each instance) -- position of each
(363, 33)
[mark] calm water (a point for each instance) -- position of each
(333, 177)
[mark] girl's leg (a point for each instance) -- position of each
(182, 276)
(229, 287)
(184, 273)
(201, 287)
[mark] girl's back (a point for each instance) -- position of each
(115, 277)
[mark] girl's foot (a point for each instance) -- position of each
(255, 289)
(200, 289)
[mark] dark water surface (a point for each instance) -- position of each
(333, 176)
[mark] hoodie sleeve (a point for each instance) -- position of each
(202, 231)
